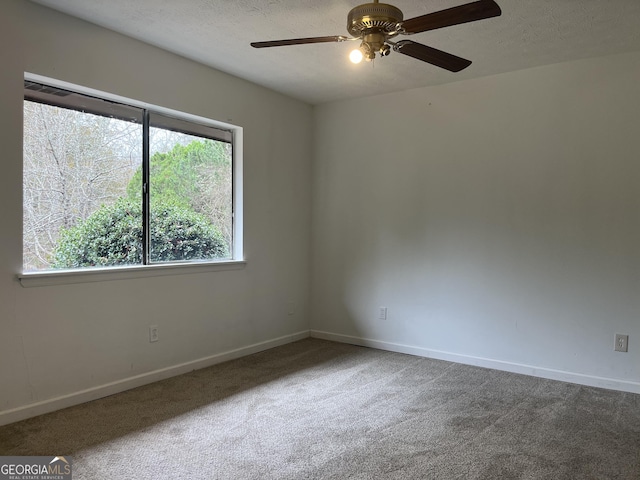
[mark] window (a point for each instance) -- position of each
(107, 183)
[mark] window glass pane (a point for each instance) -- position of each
(190, 178)
(81, 206)
(85, 168)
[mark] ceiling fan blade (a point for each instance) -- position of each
(469, 12)
(299, 41)
(431, 55)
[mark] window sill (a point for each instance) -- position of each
(86, 275)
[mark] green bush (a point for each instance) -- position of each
(113, 236)
(179, 233)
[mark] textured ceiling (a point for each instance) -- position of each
(217, 33)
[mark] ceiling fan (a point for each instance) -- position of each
(375, 24)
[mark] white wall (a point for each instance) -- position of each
(497, 219)
(60, 340)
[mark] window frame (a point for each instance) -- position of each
(98, 274)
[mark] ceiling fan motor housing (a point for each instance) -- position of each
(378, 17)
(374, 23)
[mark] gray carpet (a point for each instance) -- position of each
(321, 410)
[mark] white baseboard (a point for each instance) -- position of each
(578, 378)
(76, 398)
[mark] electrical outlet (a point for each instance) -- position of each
(382, 315)
(622, 343)
(153, 333)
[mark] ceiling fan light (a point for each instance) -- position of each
(355, 56)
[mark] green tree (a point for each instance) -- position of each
(197, 175)
(175, 175)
